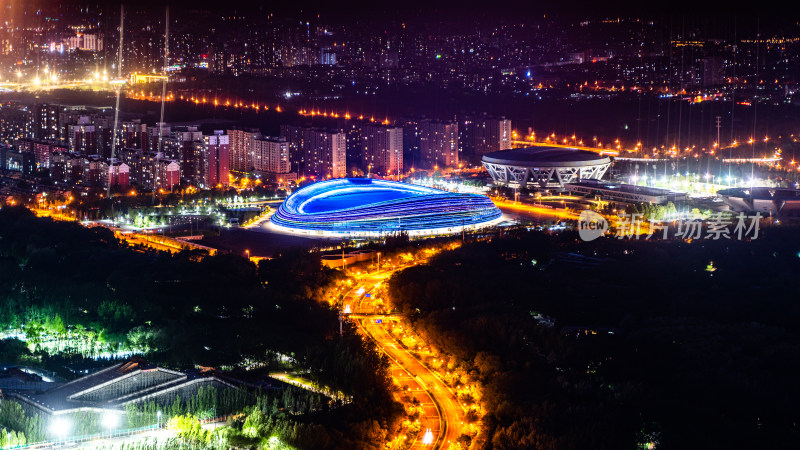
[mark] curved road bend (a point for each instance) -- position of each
(442, 413)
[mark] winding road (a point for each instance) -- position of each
(442, 414)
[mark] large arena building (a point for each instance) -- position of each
(544, 167)
(362, 207)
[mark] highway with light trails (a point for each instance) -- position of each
(442, 414)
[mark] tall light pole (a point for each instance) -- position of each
(163, 98)
(719, 145)
(164, 80)
(116, 108)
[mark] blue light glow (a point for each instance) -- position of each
(374, 207)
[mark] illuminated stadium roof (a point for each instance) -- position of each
(364, 207)
(545, 166)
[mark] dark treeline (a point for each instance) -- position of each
(96, 205)
(291, 414)
(206, 403)
(650, 343)
(220, 311)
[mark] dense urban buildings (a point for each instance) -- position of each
(320, 153)
(403, 224)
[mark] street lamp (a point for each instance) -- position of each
(248, 253)
(110, 421)
(158, 422)
(427, 438)
(60, 428)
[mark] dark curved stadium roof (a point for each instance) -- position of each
(762, 193)
(546, 156)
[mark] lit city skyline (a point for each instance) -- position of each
(449, 225)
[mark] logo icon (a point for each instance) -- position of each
(591, 225)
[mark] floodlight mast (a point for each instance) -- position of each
(119, 89)
(163, 99)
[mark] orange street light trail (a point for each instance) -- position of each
(443, 414)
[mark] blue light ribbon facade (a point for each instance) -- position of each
(360, 205)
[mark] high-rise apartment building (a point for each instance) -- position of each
(82, 137)
(325, 154)
(382, 149)
(66, 168)
(95, 172)
(438, 143)
(45, 121)
(192, 162)
(713, 70)
(411, 142)
(118, 175)
(484, 135)
(294, 138)
(271, 155)
(216, 159)
(241, 149)
(150, 170)
(167, 174)
(133, 134)
(160, 131)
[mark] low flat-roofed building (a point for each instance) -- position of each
(625, 193)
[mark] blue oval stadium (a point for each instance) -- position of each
(363, 206)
